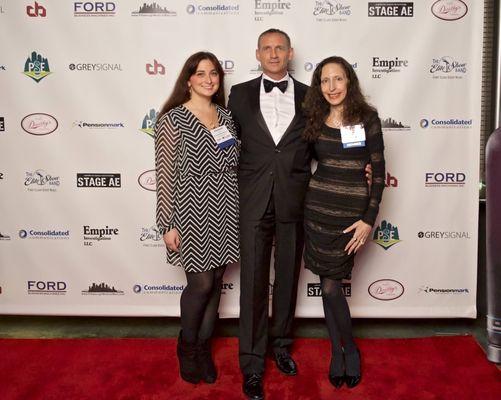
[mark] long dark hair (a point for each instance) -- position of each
(181, 92)
(316, 108)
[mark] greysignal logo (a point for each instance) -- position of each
(47, 287)
(331, 11)
(98, 125)
(443, 235)
(94, 8)
(160, 288)
(391, 125)
(41, 181)
(315, 289)
(391, 9)
(95, 180)
(432, 290)
(155, 68)
(449, 10)
(102, 289)
(51, 234)
(96, 67)
(386, 235)
(153, 10)
(149, 120)
(92, 235)
(447, 68)
(151, 237)
(213, 9)
(444, 179)
(385, 66)
(37, 67)
(269, 8)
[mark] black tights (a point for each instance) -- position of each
(338, 320)
(200, 303)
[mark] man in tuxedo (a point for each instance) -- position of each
(273, 176)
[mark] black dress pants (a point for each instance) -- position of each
(256, 246)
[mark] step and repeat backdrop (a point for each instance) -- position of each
(81, 83)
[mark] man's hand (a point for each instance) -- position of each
(171, 240)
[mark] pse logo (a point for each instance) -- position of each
(315, 289)
(153, 10)
(155, 68)
(36, 10)
(37, 67)
(329, 11)
(444, 179)
(449, 10)
(94, 180)
(94, 9)
(386, 235)
(149, 120)
(391, 125)
(47, 287)
(391, 9)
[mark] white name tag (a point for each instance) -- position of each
(223, 137)
(353, 136)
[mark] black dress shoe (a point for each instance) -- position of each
(253, 386)
(285, 363)
(336, 381)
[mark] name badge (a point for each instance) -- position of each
(223, 137)
(353, 136)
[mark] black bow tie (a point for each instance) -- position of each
(269, 85)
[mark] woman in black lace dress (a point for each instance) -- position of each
(340, 208)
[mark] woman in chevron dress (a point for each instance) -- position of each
(196, 153)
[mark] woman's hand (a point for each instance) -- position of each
(362, 231)
(368, 175)
(171, 240)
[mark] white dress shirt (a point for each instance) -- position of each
(278, 108)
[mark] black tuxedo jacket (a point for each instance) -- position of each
(265, 167)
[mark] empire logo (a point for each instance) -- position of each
(98, 234)
(155, 68)
(149, 120)
(99, 180)
(36, 10)
(386, 235)
(36, 67)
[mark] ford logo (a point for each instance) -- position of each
(386, 289)
(449, 10)
(39, 124)
(148, 180)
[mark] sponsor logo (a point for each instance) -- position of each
(444, 179)
(391, 9)
(315, 289)
(36, 10)
(268, 8)
(148, 180)
(449, 10)
(48, 234)
(2, 9)
(39, 124)
(331, 11)
(4, 237)
(98, 125)
(228, 66)
(47, 287)
(2, 68)
(391, 125)
(386, 235)
(91, 235)
(444, 235)
(153, 10)
(390, 181)
(1, 175)
(386, 289)
(41, 181)
(155, 68)
(94, 9)
(91, 180)
(447, 68)
(151, 237)
(2, 124)
(149, 120)
(161, 288)
(213, 9)
(385, 66)
(310, 66)
(446, 123)
(102, 289)
(227, 287)
(36, 67)
(431, 290)
(95, 67)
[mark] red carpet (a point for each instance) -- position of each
(403, 369)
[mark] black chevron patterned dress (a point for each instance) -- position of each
(197, 190)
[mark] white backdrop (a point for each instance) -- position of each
(72, 250)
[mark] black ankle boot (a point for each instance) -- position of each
(207, 368)
(187, 354)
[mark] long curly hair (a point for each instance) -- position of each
(181, 92)
(316, 108)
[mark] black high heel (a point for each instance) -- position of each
(336, 370)
(352, 376)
